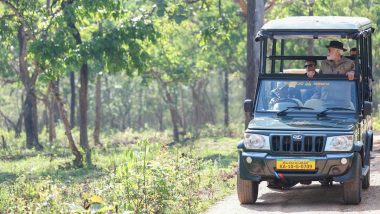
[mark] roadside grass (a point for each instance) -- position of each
(135, 172)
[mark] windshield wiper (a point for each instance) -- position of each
(323, 113)
(284, 112)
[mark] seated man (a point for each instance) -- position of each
(310, 65)
(336, 63)
(317, 97)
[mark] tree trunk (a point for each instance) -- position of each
(78, 161)
(197, 107)
(203, 111)
(72, 100)
(51, 120)
(54, 105)
(44, 121)
(18, 127)
(255, 19)
(98, 110)
(83, 106)
(226, 99)
(49, 114)
(183, 111)
(174, 115)
(30, 103)
(139, 115)
(83, 98)
(210, 108)
(30, 121)
(160, 116)
(3, 142)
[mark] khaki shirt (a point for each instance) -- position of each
(342, 66)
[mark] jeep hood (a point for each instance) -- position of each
(303, 123)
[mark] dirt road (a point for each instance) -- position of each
(308, 199)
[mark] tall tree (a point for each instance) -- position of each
(255, 19)
(83, 79)
(98, 110)
(30, 103)
(72, 99)
(226, 98)
(48, 100)
(78, 156)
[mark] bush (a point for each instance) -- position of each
(165, 182)
(153, 178)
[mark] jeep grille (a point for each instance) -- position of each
(308, 144)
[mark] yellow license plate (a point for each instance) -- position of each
(295, 164)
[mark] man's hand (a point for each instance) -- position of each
(310, 74)
(350, 75)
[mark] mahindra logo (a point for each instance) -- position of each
(297, 137)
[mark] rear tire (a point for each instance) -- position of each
(352, 193)
(247, 190)
(366, 178)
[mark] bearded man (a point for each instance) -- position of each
(336, 63)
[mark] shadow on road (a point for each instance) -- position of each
(313, 198)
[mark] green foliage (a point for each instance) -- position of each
(170, 46)
(142, 177)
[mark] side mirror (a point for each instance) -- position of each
(367, 108)
(248, 105)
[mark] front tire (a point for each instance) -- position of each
(366, 179)
(247, 190)
(352, 193)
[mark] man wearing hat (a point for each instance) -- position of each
(336, 63)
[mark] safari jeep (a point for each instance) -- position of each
(308, 129)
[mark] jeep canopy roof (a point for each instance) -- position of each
(315, 27)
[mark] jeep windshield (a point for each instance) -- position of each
(306, 96)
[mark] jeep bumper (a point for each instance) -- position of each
(262, 166)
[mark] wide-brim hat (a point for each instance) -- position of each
(336, 44)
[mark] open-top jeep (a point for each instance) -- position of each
(308, 129)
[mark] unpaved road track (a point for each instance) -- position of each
(308, 199)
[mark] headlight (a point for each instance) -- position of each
(256, 141)
(339, 143)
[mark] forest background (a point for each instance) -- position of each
(116, 105)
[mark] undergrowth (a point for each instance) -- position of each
(134, 173)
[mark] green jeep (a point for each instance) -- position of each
(308, 129)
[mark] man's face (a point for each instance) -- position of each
(353, 53)
(333, 53)
(310, 65)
